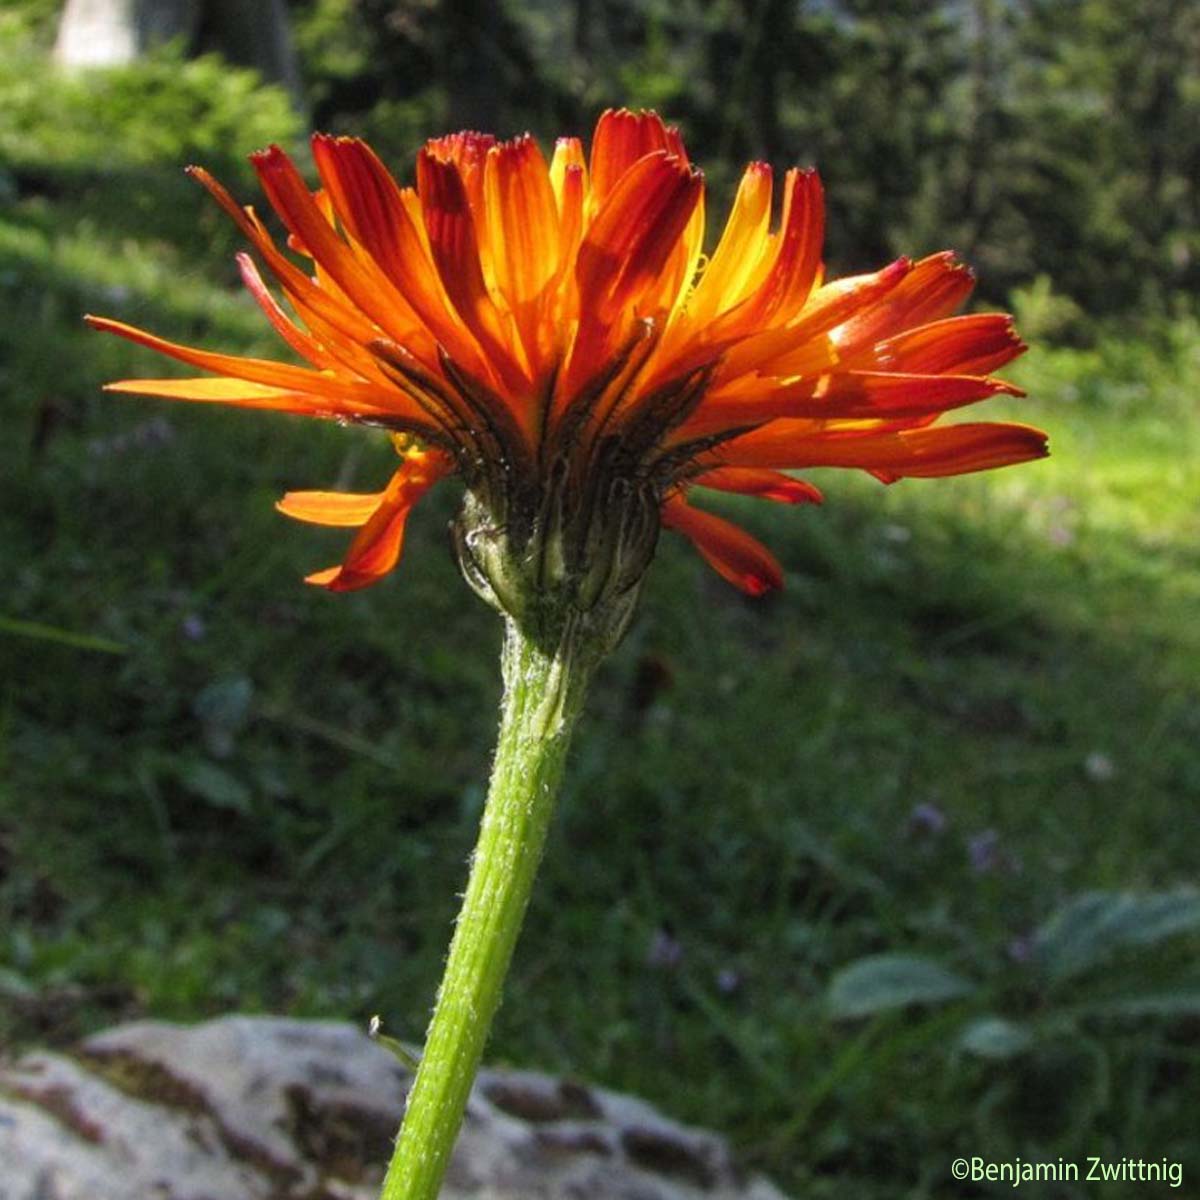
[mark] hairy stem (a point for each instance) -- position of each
(543, 694)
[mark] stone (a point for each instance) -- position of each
(265, 1108)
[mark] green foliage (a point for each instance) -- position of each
(31, 21)
(1098, 942)
(1098, 965)
(162, 110)
(1042, 314)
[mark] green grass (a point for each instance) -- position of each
(221, 789)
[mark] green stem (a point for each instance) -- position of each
(543, 695)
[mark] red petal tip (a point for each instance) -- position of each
(756, 586)
(270, 156)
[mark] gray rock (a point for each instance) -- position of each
(261, 1108)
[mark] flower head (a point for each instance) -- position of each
(553, 334)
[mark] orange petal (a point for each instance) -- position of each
(568, 180)
(450, 226)
(860, 395)
(736, 556)
(350, 324)
(349, 355)
(623, 255)
(367, 200)
(742, 246)
(974, 345)
(330, 508)
(325, 204)
(466, 151)
(451, 229)
(300, 341)
(798, 256)
(376, 549)
(360, 278)
(374, 209)
(568, 156)
(337, 395)
(621, 138)
(869, 394)
(832, 393)
(919, 453)
(571, 199)
(635, 231)
(787, 349)
(768, 485)
(934, 288)
(679, 271)
(238, 392)
(522, 217)
(521, 225)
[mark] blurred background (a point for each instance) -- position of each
(892, 867)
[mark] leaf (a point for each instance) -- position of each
(883, 982)
(64, 637)
(214, 784)
(398, 1050)
(1182, 1002)
(1093, 926)
(995, 1038)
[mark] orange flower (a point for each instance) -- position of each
(553, 334)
